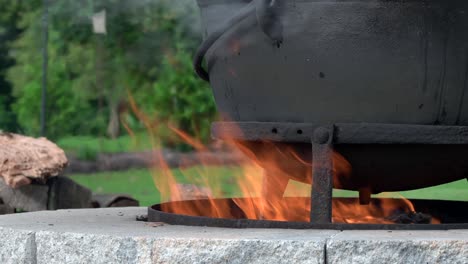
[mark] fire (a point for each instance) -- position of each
(261, 180)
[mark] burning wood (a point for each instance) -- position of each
(411, 218)
(24, 159)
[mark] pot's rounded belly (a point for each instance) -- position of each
(360, 61)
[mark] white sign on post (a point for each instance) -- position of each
(99, 22)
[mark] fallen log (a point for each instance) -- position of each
(26, 159)
(149, 159)
(5, 209)
(58, 193)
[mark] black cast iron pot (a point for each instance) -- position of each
(325, 61)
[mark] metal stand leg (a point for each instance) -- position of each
(365, 196)
(322, 175)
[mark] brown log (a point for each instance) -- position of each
(24, 159)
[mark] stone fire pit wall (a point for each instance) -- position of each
(113, 236)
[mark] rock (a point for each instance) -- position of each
(24, 159)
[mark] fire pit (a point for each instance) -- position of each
(451, 213)
(364, 95)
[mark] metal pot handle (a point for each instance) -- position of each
(269, 18)
(266, 11)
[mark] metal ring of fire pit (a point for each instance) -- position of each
(155, 214)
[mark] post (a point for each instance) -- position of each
(45, 61)
(322, 176)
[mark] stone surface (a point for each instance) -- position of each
(17, 246)
(237, 251)
(69, 247)
(398, 247)
(112, 235)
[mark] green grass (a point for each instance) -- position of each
(457, 191)
(87, 147)
(139, 184)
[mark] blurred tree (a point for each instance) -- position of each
(9, 13)
(146, 52)
(67, 111)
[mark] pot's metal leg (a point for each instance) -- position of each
(322, 175)
(365, 196)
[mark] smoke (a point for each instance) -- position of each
(80, 12)
(188, 12)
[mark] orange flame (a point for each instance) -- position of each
(261, 180)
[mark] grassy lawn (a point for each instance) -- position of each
(139, 184)
(87, 147)
(457, 191)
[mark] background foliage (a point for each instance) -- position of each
(146, 55)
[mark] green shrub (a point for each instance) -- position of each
(181, 99)
(86, 153)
